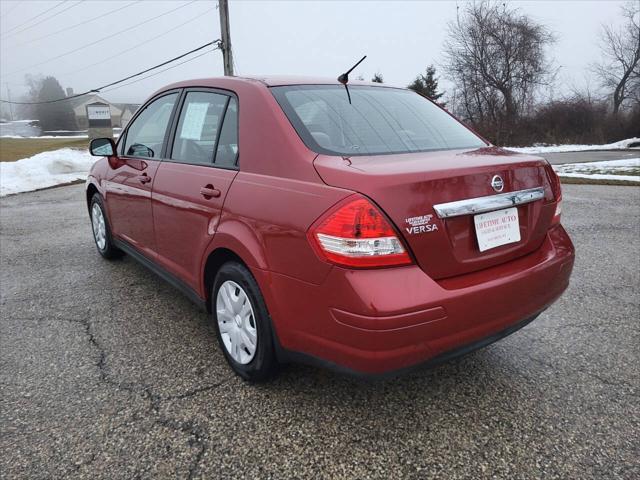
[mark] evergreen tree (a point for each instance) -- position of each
(377, 78)
(427, 85)
(57, 115)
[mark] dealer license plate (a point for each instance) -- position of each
(494, 229)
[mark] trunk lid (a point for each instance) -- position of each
(407, 186)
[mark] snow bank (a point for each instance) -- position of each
(116, 134)
(44, 170)
(606, 170)
(601, 176)
(625, 163)
(621, 145)
(17, 121)
(59, 137)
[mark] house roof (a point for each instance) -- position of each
(85, 99)
(124, 106)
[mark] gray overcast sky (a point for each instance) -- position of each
(269, 37)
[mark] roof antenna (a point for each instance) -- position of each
(344, 78)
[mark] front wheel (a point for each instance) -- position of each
(242, 323)
(101, 230)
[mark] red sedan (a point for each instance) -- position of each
(365, 230)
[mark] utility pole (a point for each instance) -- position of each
(225, 41)
(10, 104)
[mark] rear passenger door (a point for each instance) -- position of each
(192, 182)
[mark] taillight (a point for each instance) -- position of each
(554, 180)
(356, 234)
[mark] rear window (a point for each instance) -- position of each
(379, 120)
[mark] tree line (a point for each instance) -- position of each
(497, 60)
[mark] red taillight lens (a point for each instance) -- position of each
(356, 234)
(554, 180)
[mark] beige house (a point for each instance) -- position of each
(121, 113)
(127, 110)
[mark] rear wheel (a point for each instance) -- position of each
(101, 230)
(242, 323)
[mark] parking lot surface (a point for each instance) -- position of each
(108, 372)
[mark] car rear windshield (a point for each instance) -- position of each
(379, 120)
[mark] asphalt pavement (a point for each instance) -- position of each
(108, 372)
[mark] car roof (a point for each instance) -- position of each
(267, 80)
(280, 80)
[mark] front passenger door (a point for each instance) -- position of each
(191, 185)
(130, 178)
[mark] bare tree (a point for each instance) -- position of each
(619, 71)
(34, 82)
(496, 58)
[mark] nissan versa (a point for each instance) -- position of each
(359, 227)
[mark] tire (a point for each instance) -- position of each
(101, 230)
(240, 316)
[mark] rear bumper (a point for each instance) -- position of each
(380, 321)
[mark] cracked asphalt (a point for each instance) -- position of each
(108, 372)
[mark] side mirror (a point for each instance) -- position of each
(102, 147)
(140, 150)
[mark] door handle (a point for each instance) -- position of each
(208, 192)
(144, 178)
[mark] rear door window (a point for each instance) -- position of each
(199, 128)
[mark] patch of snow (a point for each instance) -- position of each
(605, 170)
(45, 136)
(621, 145)
(605, 164)
(65, 131)
(18, 121)
(44, 170)
(602, 176)
(115, 135)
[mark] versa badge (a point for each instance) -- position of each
(420, 224)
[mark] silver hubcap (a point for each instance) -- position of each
(99, 228)
(236, 322)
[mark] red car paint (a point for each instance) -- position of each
(369, 320)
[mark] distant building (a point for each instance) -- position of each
(126, 112)
(121, 113)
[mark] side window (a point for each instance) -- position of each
(198, 127)
(146, 134)
(227, 150)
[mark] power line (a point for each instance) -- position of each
(98, 89)
(46, 18)
(99, 40)
(84, 22)
(37, 16)
(102, 60)
(163, 70)
(8, 12)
